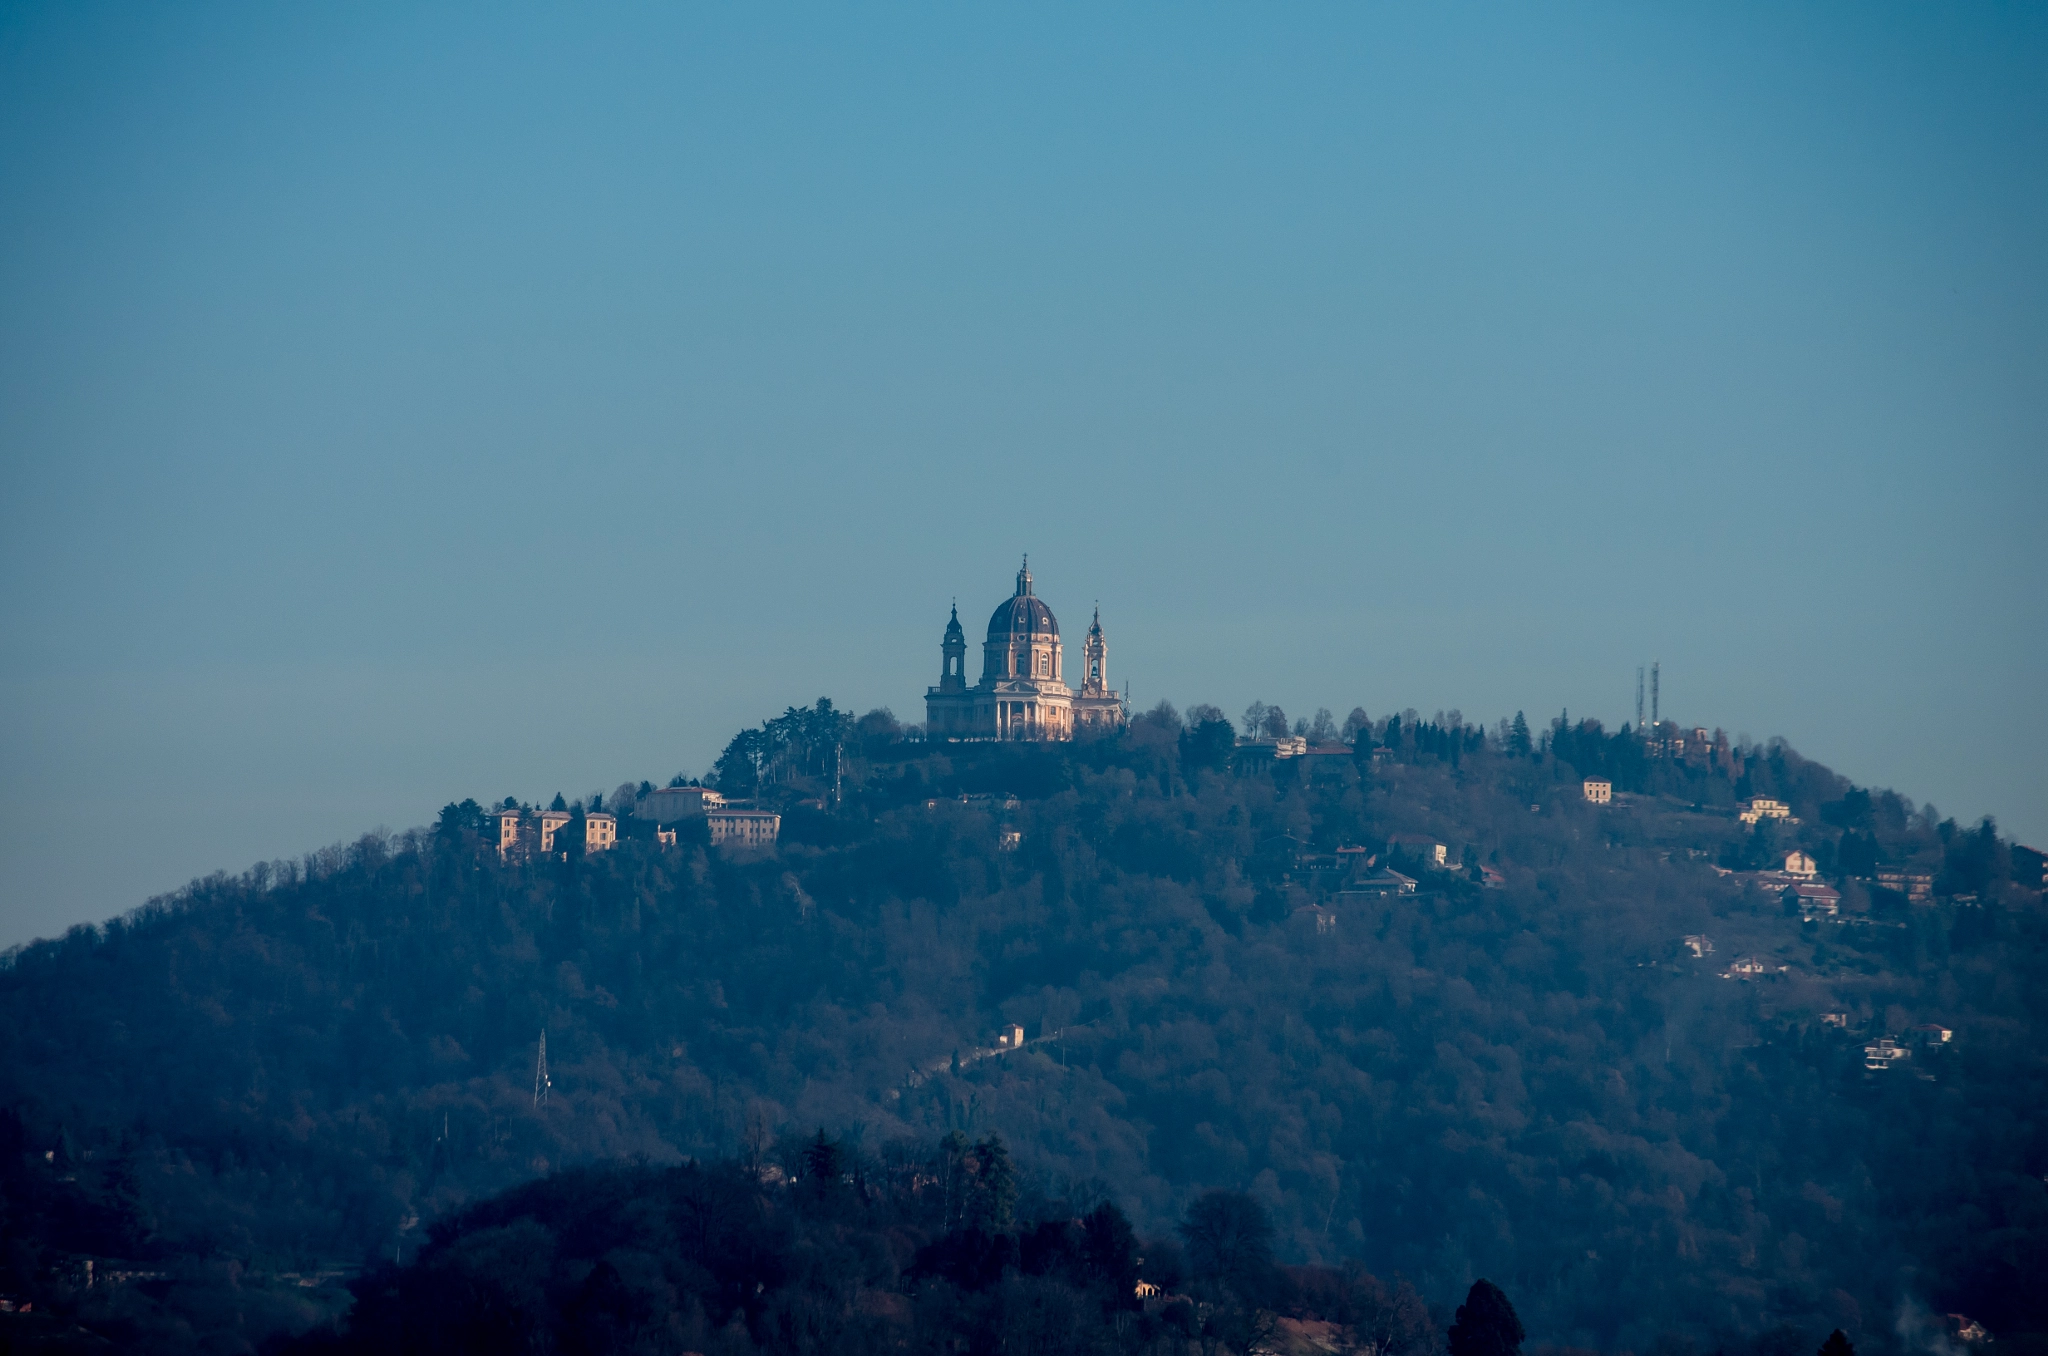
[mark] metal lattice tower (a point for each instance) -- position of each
(1639, 701)
(1656, 717)
(541, 1082)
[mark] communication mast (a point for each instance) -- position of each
(541, 1082)
(1639, 701)
(1656, 717)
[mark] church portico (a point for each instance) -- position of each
(1023, 694)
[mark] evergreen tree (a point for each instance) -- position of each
(823, 1161)
(994, 1202)
(1838, 1344)
(1518, 736)
(1486, 1324)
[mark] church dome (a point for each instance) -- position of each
(1022, 613)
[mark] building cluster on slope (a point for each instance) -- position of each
(1797, 880)
(1800, 877)
(665, 811)
(523, 832)
(1356, 872)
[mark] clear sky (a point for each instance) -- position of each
(406, 403)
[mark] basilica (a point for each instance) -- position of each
(1023, 692)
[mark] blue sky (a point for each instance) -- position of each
(405, 403)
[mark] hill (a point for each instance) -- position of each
(239, 1095)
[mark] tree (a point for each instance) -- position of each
(458, 820)
(1109, 1250)
(1230, 1242)
(1230, 1253)
(823, 1161)
(1208, 740)
(1485, 1324)
(993, 1203)
(1973, 859)
(1276, 723)
(1518, 736)
(877, 730)
(558, 803)
(738, 770)
(1389, 1322)
(1355, 724)
(1255, 718)
(1838, 1344)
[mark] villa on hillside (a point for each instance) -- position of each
(524, 831)
(725, 823)
(1761, 808)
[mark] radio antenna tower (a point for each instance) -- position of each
(1639, 701)
(1656, 717)
(541, 1082)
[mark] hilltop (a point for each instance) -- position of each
(1519, 1069)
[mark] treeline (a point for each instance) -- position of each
(821, 1247)
(271, 1078)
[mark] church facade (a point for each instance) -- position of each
(1023, 692)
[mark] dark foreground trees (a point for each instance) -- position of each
(859, 1253)
(1486, 1324)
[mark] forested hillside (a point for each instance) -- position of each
(239, 1095)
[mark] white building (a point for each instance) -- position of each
(743, 828)
(1761, 808)
(551, 822)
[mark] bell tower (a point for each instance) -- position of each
(1095, 677)
(953, 669)
(1097, 707)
